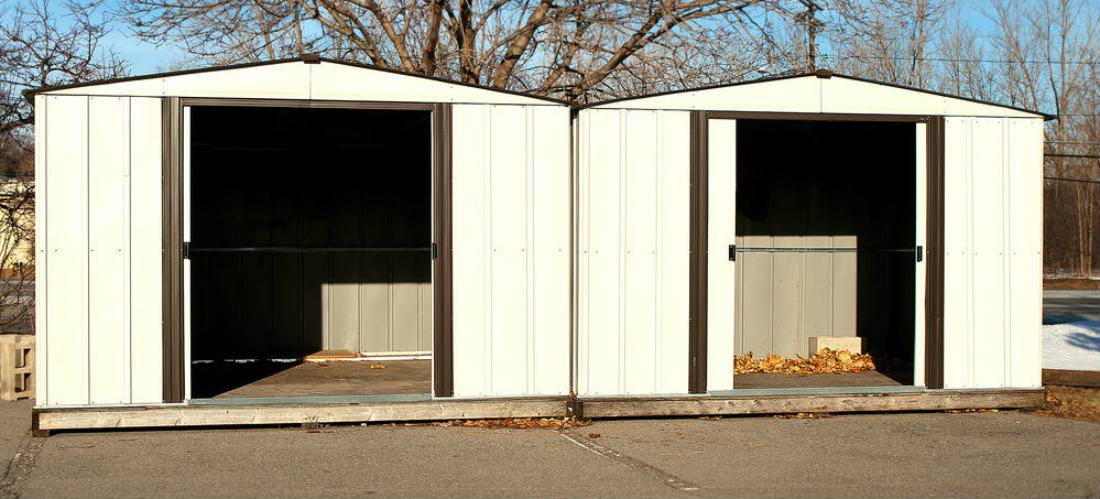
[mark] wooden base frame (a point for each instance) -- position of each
(46, 420)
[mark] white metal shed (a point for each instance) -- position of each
(620, 281)
(113, 285)
(663, 302)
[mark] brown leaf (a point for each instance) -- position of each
(824, 361)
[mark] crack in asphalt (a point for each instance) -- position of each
(666, 478)
(20, 466)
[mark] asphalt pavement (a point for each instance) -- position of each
(1070, 305)
(1002, 454)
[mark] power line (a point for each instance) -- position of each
(948, 59)
(1060, 155)
(1078, 180)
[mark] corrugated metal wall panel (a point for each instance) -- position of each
(639, 272)
(993, 239)
(602, 220)
(549, 287)
(109, 249)
(672, 252)
(511, 215)
(987, 252)
(508, 243)
(40, 247)
(633, 281)
(66, 231)
(958, 288)
(721, 232)
(1025, 240)
(471, 255)
(145, 251)
(99, 212)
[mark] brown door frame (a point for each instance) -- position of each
(172, 230)
(934, 230)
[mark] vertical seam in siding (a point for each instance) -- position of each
(621, 254)
(40, 264)
(576, 259)
(658, 257)
(582, 217)
(968, 175)
(127, 290)
(529, 207)
(85, 254)
(586, 178)
(1006, 242)
(487, 223)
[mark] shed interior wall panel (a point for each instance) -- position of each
(993, 249)
(510, 197)
(633, 252)
(101, 250)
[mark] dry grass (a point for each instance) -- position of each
(1082, 404)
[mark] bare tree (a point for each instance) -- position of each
(1053, 60)
(41, 46)
(888, 40)
(571, 48)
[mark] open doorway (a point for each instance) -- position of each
(826, 229)
(309, 251)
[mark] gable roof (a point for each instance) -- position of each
(819, 92)
(318, 78)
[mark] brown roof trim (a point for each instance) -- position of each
(821, 73)
(305, 58)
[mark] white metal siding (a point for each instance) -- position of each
(297, 80)
(146, 347)
(920, 239)
(511, 250)
(810, 94)
(633, 252)
(993, 252)
(99, 252)
(721, 231)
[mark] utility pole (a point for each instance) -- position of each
(809, 18)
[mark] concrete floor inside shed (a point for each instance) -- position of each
(842, 380)
(264, 379)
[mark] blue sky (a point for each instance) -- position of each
(144, 57)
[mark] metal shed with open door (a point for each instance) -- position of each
(268, 210)
(758, 217)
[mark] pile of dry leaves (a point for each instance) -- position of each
(825, 361)
(520, 424)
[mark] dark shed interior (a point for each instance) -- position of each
(310, 232)
(826, 223)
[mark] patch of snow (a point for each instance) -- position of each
(1074, 345)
